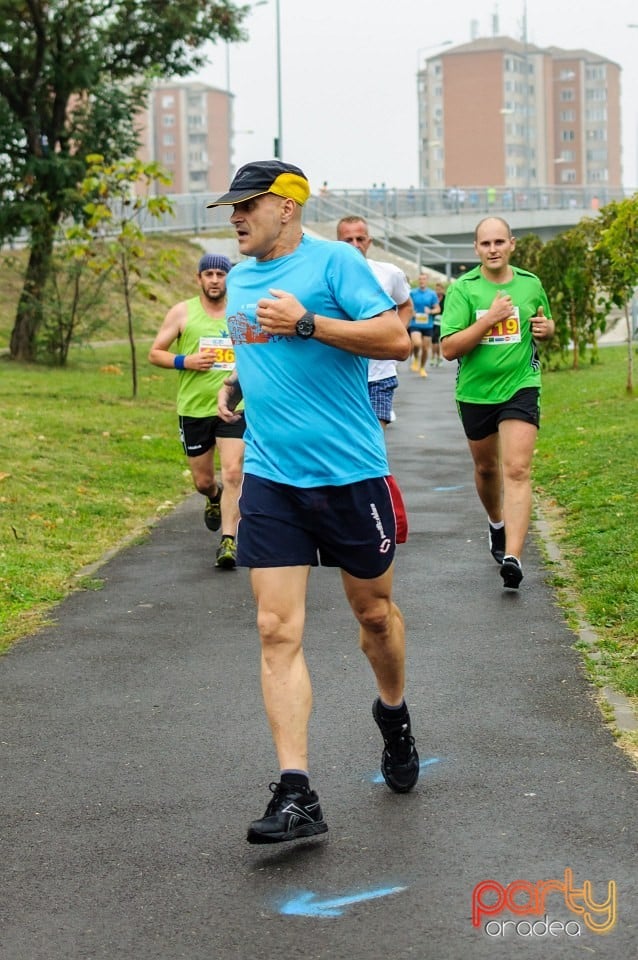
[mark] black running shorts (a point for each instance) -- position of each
(480, 420)
(198, 434)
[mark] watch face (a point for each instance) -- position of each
(306, 325)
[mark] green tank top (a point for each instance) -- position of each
(197, 390)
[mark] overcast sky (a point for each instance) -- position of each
(348, 70)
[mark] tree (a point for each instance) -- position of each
(617, 261)
(73, 293)
(73, 77)
(527, 252)
(113, 236)
(566, 269)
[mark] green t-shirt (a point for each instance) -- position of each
(197, 390)
(506, 360)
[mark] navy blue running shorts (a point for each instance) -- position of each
(352, 527)
(424, 328)
(198, 434)
(481, 420)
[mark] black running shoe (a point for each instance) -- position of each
(497, 542)
(511, 572)
(213, 510)
(292, 813)
(400, 761)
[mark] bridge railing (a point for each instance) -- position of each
(379, 204)
(391, 202)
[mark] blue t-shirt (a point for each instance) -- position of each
(309, 421)
(421, 300)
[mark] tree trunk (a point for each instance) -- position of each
(29, 312)
(630, 353)
(575, 338)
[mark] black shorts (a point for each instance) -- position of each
(352, 527)
(436, 333)
(480, 420)
(198, 434)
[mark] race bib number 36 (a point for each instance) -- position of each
(505, 331)
(222, 350)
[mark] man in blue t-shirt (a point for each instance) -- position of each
(426, 306)
(304, 316)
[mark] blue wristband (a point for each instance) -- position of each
(178, 361)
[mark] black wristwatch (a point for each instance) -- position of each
(306, 325)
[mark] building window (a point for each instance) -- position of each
(168, 120)
(168, 156)
(567, 94)
(168, 101)
(566, 135)
(596, 73)
(567, 115)
(568, 176)
(168, 140)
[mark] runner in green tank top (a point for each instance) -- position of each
(491, 320)
(204, 358)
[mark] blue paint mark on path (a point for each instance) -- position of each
(459, 486)
(308, 904)
(377, 777)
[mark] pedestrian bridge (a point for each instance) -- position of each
(431, 228)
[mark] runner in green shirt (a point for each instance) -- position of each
(493, 316)
(204, 358)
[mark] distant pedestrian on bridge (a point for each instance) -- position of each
(493, 316)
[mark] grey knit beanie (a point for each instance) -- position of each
(214, 261)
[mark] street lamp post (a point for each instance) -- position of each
(279, 141)
(231, 131)
(430, 46)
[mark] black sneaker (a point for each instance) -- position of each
(400, 761)
(226, 556)
(497, 542)
(511, 572)
(213, 510)
(292, 813)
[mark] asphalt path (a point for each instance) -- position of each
(134, 752)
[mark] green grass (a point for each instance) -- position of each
(82, 467)
(586, 476)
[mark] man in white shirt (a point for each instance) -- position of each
(382, 374)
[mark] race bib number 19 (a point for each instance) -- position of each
(222, 349)
(505, 331)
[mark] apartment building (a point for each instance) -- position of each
(187, 128)
(500, 112)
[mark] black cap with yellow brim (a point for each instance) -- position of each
(266, 176)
